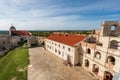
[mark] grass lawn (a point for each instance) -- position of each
(14, 65)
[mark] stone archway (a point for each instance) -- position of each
(107, 76)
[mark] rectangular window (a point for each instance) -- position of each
(55, 50)
(63, 47)
(59, 45)
(68, 49)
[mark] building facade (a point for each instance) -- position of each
(101, 51)
(65, 46)
(25, 36)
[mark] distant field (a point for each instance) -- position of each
(14, 65)
(46, 33)
(4, 32)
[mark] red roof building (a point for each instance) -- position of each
(21, 33)
(65, 46)
(68, 39)
(14, 32)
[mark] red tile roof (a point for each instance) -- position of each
(69, 39)
(21, 33)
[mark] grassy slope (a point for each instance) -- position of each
(14, 65)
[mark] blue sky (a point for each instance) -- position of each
(57, 14)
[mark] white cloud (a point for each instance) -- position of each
(42, 14)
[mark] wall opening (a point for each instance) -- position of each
(97, 55)
(95, 69)
(88, 51)
(107, 76)
(114, 44)
(86, 63)
(113, 33)
(113, 28)
(111, 60)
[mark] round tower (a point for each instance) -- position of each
(12, 28)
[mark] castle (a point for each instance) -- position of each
(99, 53)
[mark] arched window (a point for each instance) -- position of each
(88, 51)
(95, 69)
(107, 76)
(111, 60)
(114, 44)
(86, 63)
(113, 28)
(98, 55)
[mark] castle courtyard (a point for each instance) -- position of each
(44, 65)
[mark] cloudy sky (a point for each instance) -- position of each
(57, 14)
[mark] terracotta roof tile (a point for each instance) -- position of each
(69, 39)
(21, 33)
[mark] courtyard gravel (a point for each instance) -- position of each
(45, 65)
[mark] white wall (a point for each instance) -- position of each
(57, 49)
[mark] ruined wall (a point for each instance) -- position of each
(110, 28)
(108, 45)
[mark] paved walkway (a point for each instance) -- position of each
(46, 66)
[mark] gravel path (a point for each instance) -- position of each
(46, 66)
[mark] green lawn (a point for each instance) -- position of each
(14, 65)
